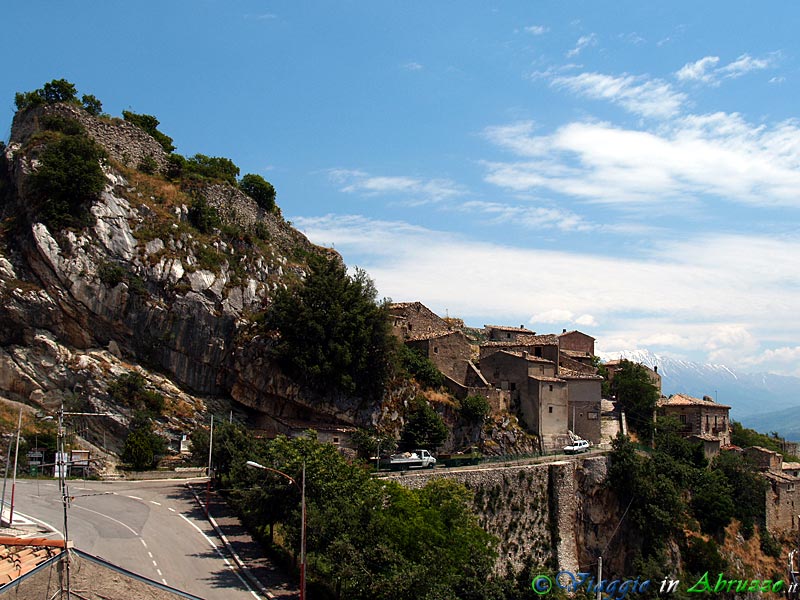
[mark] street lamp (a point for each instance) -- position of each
(253, 464)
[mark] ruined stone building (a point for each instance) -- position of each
(782, 498)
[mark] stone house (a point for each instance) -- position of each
(703, 420)
(541, 346)
(537, 394)
(782, 498)
(584, 404)
(338, 434)
(576, 345)
(501, 333)
(450, 351)
(411, 319)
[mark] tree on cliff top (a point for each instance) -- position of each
(637, 396)
(334, 335)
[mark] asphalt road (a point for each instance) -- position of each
(153, 528)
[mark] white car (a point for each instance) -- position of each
(577, 447)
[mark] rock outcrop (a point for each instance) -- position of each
(144, 287)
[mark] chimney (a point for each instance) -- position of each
(564, 330)
(655, 368)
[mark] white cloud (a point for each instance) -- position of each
(646, 97)
(743, 65)
(780, 79)
(412, 189)
(706, 70)
(531, 217)
(718, 155)
(413, 66)
(698, 70)
(585, 41)
(683, 296)
(537, 29)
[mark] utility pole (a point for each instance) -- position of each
(599, 576)
(210, 446)
(5, 480)
(14, 474)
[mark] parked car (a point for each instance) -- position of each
(410, 460)
(576, 447)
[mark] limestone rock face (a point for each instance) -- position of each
(142, 286)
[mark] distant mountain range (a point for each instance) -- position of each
(762, 401)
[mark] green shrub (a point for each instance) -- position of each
(424, 427)
(148, 165)
(175, 166)
(475, 408)
(212, 167)
(58, 90)
(142, 447)
(129, 390)
(92, 105)
(150, 125)
(260, 190)
(111, 274)
(203, 216)
(61, 124)
(420, 367)
(69, 178)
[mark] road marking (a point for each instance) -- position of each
(107, 517)
(150, 554)
(155, 564)
(164, 581)
(227, 562)
(133, 497)
(171, 509)
(143, 542)
(42, 523)
(160, 574)
(154, 502)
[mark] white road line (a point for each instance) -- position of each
(42, 523)
(133, 497)
(107, 517)
(150, 554)
(171, 509)
(154, 502)
(160, 574)
(164, 581)
(143, 542)
(227, 562)
(155, 564)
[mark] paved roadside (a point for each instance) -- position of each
(274, 580)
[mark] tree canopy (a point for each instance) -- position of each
(637, 395)
(333, 334)
(260, 190)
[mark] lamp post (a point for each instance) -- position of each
(253, 464)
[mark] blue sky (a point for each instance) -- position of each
(629, 169)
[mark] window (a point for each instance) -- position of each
(410, 326)
(537, 352)
(550, 408)
(336, 440)
(512, 386)
(436, 349)
(551, 389)
(683, 419)
(508, 336)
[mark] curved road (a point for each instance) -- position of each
(153, 528)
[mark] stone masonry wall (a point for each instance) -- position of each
(125, 142)
(534, 510)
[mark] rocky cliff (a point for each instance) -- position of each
(142, 288)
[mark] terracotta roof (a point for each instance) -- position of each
(706, 437)
(527, 340)
(530, 357)
(684, 400)
(545, 378)
(521, 329)
(570, 374)
(574, 353)
(779, 477)
(429, 335)
(790, 466)
(19, 556)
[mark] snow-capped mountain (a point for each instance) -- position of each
(763, 401)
